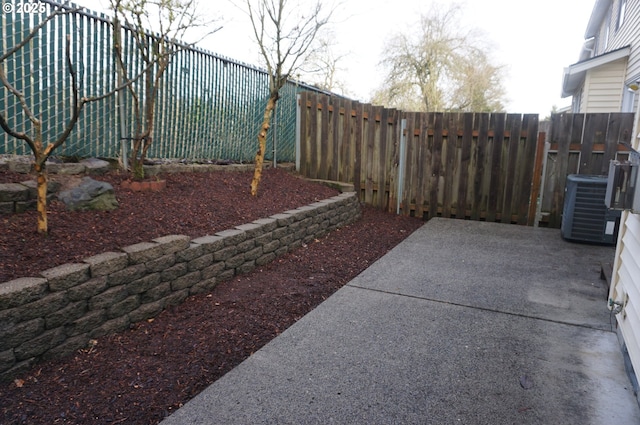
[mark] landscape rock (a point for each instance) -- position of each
(71, 168)
(21, 164)
(90, 194)
(95, 166)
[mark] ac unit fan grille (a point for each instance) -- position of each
(589, 211)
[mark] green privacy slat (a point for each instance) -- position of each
(208, 107)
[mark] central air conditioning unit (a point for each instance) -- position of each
(585, 217)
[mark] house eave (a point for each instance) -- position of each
(574, 75)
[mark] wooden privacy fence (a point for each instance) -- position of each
(477, 166)
(480, 166)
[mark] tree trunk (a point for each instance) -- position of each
(41, 173)
(262, 144)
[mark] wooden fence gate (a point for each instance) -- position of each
(580, 144)
(479, 166)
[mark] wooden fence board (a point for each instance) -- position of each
(367, 162)
(382, 172)
(514, 125)
(591, 135)
(465, 163)
(497, 123)
(408, 197)
(358, 138)
(336, 139)
(314, 140)
(425, 165)
(417, 167)
(533, 147)
(325, 154)
(482, 142)
(303, 133)
(537, 179)
(564, 126)
(346, 136)
(450, 171)
(435, 153)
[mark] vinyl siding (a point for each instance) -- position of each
(627, 281)
(603, 88)
(627, 34)
(625, 285)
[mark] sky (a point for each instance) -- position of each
(535, 41)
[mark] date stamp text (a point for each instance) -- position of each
(24, 7)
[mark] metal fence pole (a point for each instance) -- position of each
(402, 162)
(298, 138)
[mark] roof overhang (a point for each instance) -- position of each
(574, 75)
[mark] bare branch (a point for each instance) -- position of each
(17, 135)
(18, 94)
(433, 68)
(34, 31)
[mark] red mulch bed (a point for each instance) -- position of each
(144, 374)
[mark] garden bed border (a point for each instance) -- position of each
(68, 306)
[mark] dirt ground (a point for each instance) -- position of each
(145, 373)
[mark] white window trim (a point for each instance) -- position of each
(622, 8)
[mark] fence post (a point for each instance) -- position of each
(298, 112)
(539, 170)
(124, 154)
(401, 162)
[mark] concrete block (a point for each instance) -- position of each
(144, 251)
(210, 243)
(232, 236)
(173, 243)
(127, 275)
(21, 291)
(66, 276)
(107, 263)
(11, 192)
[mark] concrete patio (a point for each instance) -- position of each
(462, 323)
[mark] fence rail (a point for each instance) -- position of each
(477, 166)
(209, 106)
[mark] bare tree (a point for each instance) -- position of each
(285, 31)
(42, 149)
(171, 20)
(322, 67)
(440, 68)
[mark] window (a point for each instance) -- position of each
(628, 99)
(606, 34)
(622, 6)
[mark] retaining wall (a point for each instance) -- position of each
(20, 197)
(65, 307)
